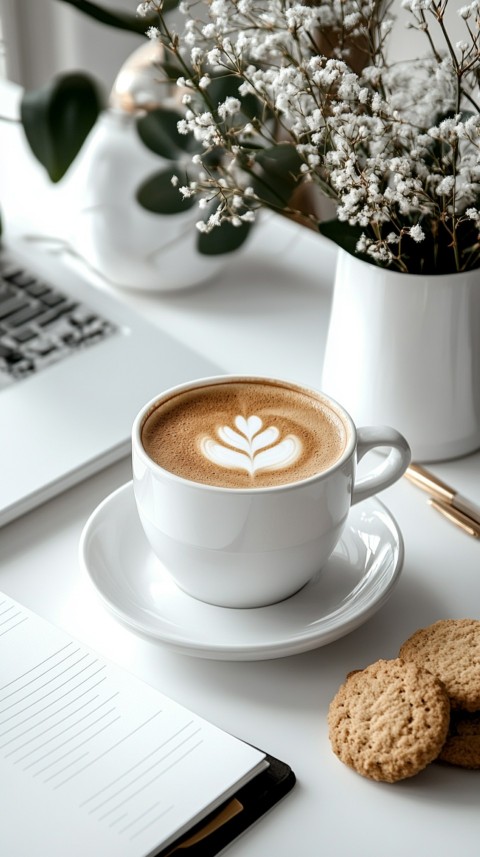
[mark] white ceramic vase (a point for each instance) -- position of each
(102, 222)
(404, 350)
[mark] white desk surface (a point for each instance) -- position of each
(267, 313)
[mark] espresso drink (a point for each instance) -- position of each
(244, 434)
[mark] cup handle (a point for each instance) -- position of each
(390, 469)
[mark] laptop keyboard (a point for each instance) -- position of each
(39, 325)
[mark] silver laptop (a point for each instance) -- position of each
(75, 367)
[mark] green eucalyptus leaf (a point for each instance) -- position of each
(225, 86)
(222, 239)
(58, 118)
(172, 70)
(158, 132)
(159, 195)
(212, 158)
(118, 18)
(281, 160)
(279, 174)
(342, 234)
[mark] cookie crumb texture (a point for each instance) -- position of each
(389, 721)
(450, 649)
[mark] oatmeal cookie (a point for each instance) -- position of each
(450, 649)
(390, 720)
(462, 747)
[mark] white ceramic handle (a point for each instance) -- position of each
(390, 469)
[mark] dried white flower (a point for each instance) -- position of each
(229, 107)
(445, 186)
(393, 144)
(416, 232)
(144, 9)
(473, 214)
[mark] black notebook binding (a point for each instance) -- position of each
(236, 814)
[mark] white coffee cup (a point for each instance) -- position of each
(250, 547)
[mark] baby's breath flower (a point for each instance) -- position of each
(473, 214)
(209, 31)
(229, 107)
(416, 5)
(362, 243)
(416, 232)
(467, 11)
(144, 9)
(394, 144)
(196, 55)
(446, 186)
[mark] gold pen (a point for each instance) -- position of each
(466, 524)
(446, 500)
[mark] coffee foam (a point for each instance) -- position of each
(244, 434)
(251, 447)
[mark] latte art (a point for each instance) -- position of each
(244, 434)
(251, 449)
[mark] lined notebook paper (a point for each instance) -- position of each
(94, 761)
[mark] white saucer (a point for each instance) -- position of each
(354, 584)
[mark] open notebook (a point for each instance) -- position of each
(94, 761)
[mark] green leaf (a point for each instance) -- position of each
(222, 239)
(279, 175)
(343, 234)
(158, 131)
(157, 194)
(117, 17)
(171, 69)
(282, 161)
(434, 255)
(212, 158)
(226, 85)
(58, 118)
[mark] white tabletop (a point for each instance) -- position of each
(267, 313)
